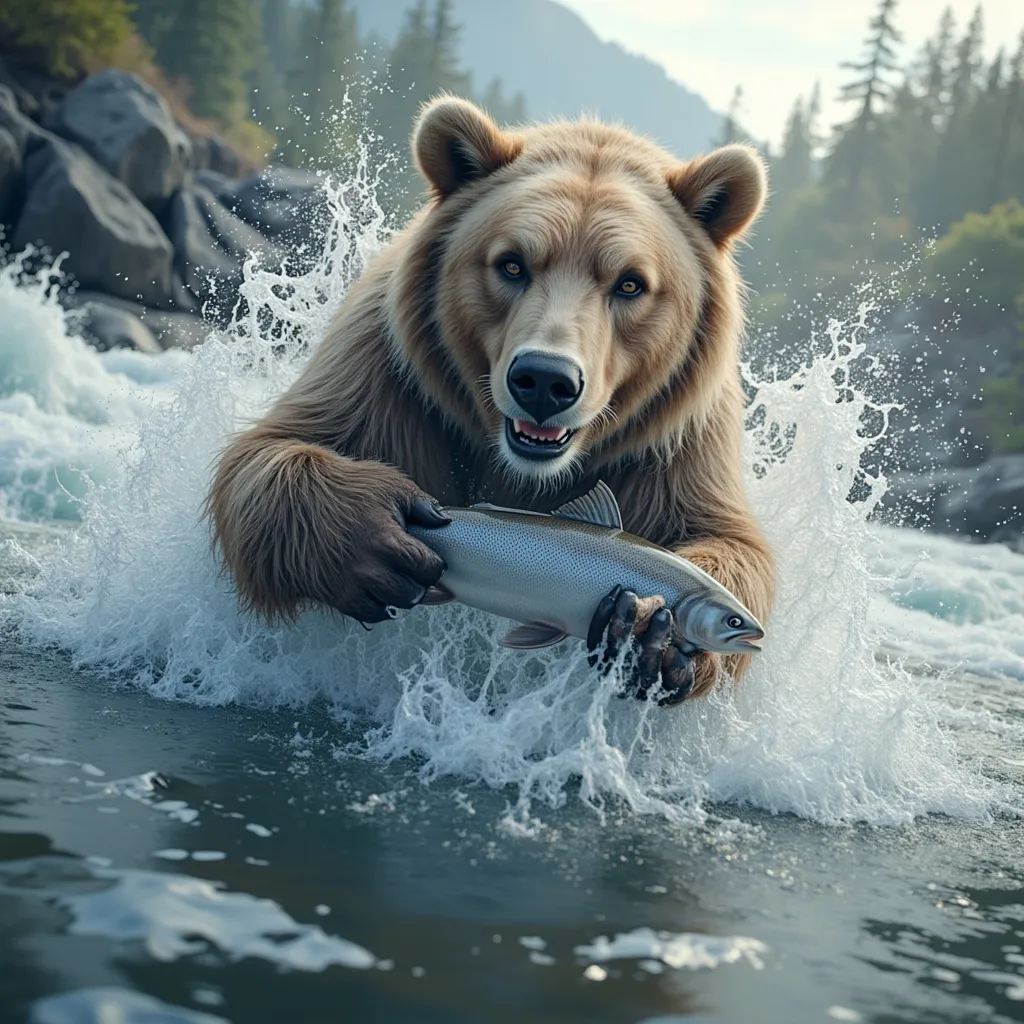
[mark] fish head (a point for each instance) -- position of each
(717, 622)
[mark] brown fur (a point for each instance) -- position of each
(308, 505)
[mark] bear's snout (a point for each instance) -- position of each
(544, 384)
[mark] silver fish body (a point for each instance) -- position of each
(553, 571)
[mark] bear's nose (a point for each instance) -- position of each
(544, 384)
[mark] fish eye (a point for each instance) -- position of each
(511, 267)
(629, 287)
(734, 622)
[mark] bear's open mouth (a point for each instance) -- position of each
(534, 442)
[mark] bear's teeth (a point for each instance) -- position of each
(536, 433)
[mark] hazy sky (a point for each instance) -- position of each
(775, 49)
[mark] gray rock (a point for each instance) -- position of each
(22, 128)
(115, 244)
(108, 326)
(38, 92)
(209, 272)
(211, 245)
(912, 499)
(220, 185)
(177, 330)
(989, 503)
(11, 181)
(282, 202)
(212, 153)
(169, 329)
(127, 127)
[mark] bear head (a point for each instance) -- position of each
(569, 295)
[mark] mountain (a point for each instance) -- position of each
(550, 54)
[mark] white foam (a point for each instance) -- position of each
(820, 728)
(111, 1005)
(177, 915)
(678, 950)
(68, 413)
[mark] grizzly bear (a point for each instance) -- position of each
(564, 309)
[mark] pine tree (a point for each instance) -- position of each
(277, 33)
(327, 38)
(731, 131)
(502, 109)
(869, 90)
(319, 78)
(1012, 112)
(813, 115)
(964, 81)
(937, 67)
(211, 44)
(792, 170)
(994, 79)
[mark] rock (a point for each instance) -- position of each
(177, 330)
(38, 93)
(108, 326)
(210, 273)
(211, 246)
(21, 128)
(990, 503)
(282, 202)
(115, 244)
(220, 185)
(11, 182)
(127, 127)
(212, 153)
(169, 329)
(912, 499)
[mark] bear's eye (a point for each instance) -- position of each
(512, 268)
(629, 287)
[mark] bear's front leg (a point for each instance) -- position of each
(299, 524)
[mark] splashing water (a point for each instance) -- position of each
(821, 727)
(66, 410)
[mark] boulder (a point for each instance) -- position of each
(38, 93)
(169, 329)
(22, 128)
(211, 246)
(11, 183)
(212, 153)
(177, 330)
(989, 504)
(210, 273)
(106, 326)
(115, 244)
(127, 127)
(220, 185)
(283, 202)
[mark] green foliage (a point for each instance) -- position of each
(67, 37)
(211, 44)
(981, 264)
(321, 77)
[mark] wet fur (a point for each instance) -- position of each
(405, 380)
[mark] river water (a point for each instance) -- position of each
(203, 818)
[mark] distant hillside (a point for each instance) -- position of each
(563, 69)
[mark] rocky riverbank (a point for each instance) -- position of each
(156, 223)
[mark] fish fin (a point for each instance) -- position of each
(437, 594)
(532, 635)
(597, 506)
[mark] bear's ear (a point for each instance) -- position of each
(724, 191)
(455, 143)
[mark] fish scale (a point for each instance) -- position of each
(554, 569)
